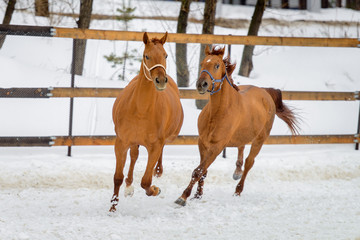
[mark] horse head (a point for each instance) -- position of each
(154, 61)
(213, 71)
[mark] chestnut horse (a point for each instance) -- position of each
(147, 112)
(233, 116)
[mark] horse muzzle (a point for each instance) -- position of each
(160, 83)
(202, 86)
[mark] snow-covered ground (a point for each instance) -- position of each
(292, 192)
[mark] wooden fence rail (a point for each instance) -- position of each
(76, 33)
(180, 140)
(184, 94)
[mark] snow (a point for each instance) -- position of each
(292, 192)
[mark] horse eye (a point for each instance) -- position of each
(217, 66)
(146, 56)
(166, 56)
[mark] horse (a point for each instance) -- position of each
(234, 116)
(147, 112)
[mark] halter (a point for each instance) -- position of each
(149, 69)
(213, 80)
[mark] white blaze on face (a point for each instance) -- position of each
(209, 60)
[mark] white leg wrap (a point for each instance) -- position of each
(129, 191)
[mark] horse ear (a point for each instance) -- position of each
(146, 38)
(207, 50)
(163, 39)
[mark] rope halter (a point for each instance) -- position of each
(213, 80)
(149, 69)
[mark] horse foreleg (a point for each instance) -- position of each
(238, 171)
(197, 175)
(159, 168)
(249, 162)
(134, 154)
(153, 157)
(199, 191)
(120, 152)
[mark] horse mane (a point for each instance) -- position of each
(155, 40)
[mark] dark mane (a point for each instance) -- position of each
(217, 51)
(155, 40)
(230, 67)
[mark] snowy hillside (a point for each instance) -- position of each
(292, 192)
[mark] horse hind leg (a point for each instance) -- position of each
(120, 152)
(134, 154)
(249, 162)
(199, 191)
(238, 171)
(158, 171)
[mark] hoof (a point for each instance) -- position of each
(180, 201)
(155, 191)
(129, 191)
(113, 208)
(236, 194)
(196, 197)
(237, 176)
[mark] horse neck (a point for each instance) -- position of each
(221, 100)
(145, 92)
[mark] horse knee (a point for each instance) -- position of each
(118, 181)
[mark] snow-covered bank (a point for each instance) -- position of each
(293, 192)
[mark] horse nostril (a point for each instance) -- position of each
(166, 79)
(204, 85)
(157, 80)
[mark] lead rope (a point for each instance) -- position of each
(149, 69)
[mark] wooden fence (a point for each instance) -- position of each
(180, 140)
(76, 33)
(185, 94)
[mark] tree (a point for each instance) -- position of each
(126, 15)
(285, 3)
(83, 23)
(324, 3)
(7, 18)
(354, 4)
(42, 8)
(302, 4)
(246, 65)
(182, 70)
(208, 28)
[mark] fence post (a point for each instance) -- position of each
(72, 99)
(358, 130)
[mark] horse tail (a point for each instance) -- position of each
(283, 111)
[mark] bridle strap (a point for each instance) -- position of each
(213, 80)
(149, 69)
